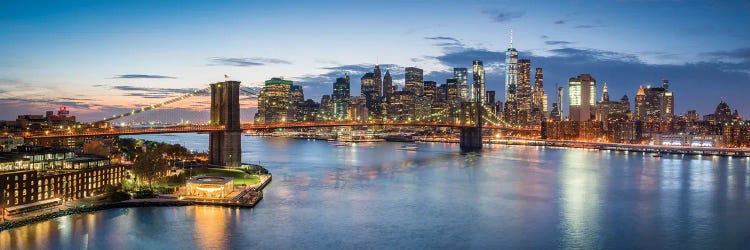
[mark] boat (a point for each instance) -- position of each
(410, 147)
(399, 138)
(341, 144)
(656, 155)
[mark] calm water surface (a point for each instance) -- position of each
(370, 195)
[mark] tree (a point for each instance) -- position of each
(150, 165)
(128, 148)
(96, 148)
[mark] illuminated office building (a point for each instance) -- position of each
(477, 87)
(414, 81)
(582, 97)
(460, 74)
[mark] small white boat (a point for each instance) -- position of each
(341, 144)
(408, 148)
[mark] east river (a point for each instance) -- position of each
(372, 195)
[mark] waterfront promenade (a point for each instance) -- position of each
(741, 152)
(92, 205)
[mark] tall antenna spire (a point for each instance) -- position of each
(511, 38)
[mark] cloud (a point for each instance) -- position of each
(445, 41)
(150, 93)
(245, 62)
(560, 22)
(589, 26)
(557, 42)
(140, 76)
(502, 16)
(739, 54)
(543, 37)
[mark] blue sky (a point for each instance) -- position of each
(103, 57)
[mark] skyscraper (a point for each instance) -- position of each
(275, 101)
(477, 88)
(296, 101)
(489, 97)
(430, 90)
(452, 90)
(414, 81)
(640, 104)
(368, 87)
(560, 94)
(387, 85)
(657, 103)
(511, 71)
(378, 80)
(582, 95)
(371, 94)
(460, 74)
(341, 96)
(539, 98)
(524, 85)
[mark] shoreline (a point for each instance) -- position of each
(152, 202)
(740, 152)
(677, 150)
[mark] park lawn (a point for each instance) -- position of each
(239, 176)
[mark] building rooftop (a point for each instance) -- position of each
(278, 81)
(210, 179)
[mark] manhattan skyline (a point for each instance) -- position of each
(100, 58)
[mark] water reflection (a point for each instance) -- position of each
(371, 195)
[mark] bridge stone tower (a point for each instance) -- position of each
(224, 146)
(471, 130)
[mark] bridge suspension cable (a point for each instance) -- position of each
(497, 121)
(155, 106)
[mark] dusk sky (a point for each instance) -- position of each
(104, 57)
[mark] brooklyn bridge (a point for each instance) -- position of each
(225, 129)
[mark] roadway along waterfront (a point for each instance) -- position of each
(372, 195)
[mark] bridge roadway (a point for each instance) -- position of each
(247, 127)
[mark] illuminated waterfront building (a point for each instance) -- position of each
(357, 110)
(582, 97)
(34, 177)
(341, 96)
(274, 102)
(461, 77)
(209, 186)
(477, 87)
(414, 81)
